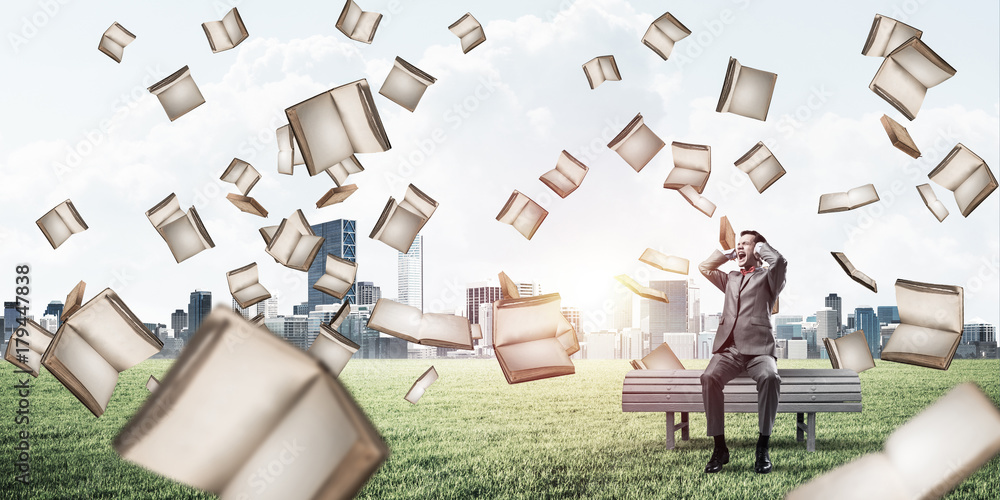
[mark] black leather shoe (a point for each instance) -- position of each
(719, 458)
(763, 463)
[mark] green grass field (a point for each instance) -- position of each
(474, 436)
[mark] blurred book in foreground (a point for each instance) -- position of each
(931, 319)
(331, 347)
(532, 339)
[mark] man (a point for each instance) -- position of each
(744, 341)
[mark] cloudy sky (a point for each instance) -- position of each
(79, 126)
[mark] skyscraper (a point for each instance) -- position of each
(978, 330)
(826, 326)
(178, 322)
(479, 293)
(55, 308)
(268, 307)
(866, 319)
(10, 316)
(529, 289)
(694, 308)
(410, 274)
(246, 313)
(623, 308)
(291, 328)
(340, 242)
(834, 302)
(572, 314)
(199, 306)
(667, 318)
(888, 315)
(367, 292)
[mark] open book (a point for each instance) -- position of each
(850, 351)
(247, 204)
(663, 33)
(244, 176)
(74, 300)
(332, 348)
(293, 244)
(96, 343)
(405, 84)
(762, 167)
(152, 384)
(692, 166)
(289, 153)
(567, 176)
(25, 351)
(227, 33)
(661, 358)
(420, 385)
(508, 289)
(245, 287)
(887, 34)
(178, 93)
(358, 24)
(532, 339)
(183, 231)
(641, 290)
(924, 458)
(477, 331)
(114, 40)
(267, 232)
(727, 237)
(332, 126)
(601, 69)
(665, 262)
(400, 222)
(933, 204)
(906, 74)
(931, 320)
(239, 400)
(697, 200)
(522, 213)
(60, 223)
(338, 276)
(336, 195)
(408, 323)
(853, 198)
(899, 137)
(469, 31)
(967, 175)
(636, 144)
(853, 272)
(342, 170)
(746, 91)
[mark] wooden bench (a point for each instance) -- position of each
(804, 392)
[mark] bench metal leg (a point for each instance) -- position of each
(811, 443)
(685, 426)
(799, 421)
(670, 430)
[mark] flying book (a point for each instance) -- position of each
(661, 358)
(408, 323)
(236, 400)
(267, 232)
(887, 34)
(244, 176)
(477, 332)
(245, 287)
(522, 213)
(94, 345)
(469, 31)
(336, 195)
(727, 237)
(924, 458)
(294, 245)
(332, 126)
(663, 33)
(899, 137)
(247, 204)
(641, 290)
(853, 198)
(114, 40)
(532, 339)
(746, 91)
(74, 301)
(183, 231)
(508, 289)
(358, 24)
(420, 385)
(400, 222)
(906, 74)
(762, 167)
(692, 166)
(933, 204)
(152, 384)
(25, 350)
(342, 170)
(332, 349)
(567, 176)
(60, 223)
(289, 153)
(664, 262)
(178, 93)
(967, 175)
(601, 69)
(227, 33)
(636, 144)
(338, 276)
(850, 351)
(697, 200)
(853, 272)
(405, 84)
(931, 321)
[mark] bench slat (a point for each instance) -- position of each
(696, 389)
(742, 398)
(743, 407)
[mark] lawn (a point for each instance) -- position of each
(474, 436)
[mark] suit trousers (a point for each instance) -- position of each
(725, 366)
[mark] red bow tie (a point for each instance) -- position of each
(748, 271)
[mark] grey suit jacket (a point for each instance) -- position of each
(746, 314)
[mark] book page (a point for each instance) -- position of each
(766, 173)
(473, 38)
(529, 218)
(662, 358)
(402, 87)
(922, 64)
(955, 168)
(400, 229)
(251, 294)
(332, 285)
(364, 134)
(234, 27)
(364, 30)
(912, 339)
(665, 262)
(182, 238)
(54, 228)
(318, 126)
(333, 354)
(465, 25)
(680, 177)
(541, 353)
(692, 156)
(853, 352)
(834, 202)
(558, 182)
(420, 385)
(348, 21)
(595, 72)
(660, 42)
(639, 148)
(898, 83)
(392, 317)
(526, 319)
(608, 68)
(116, 335)
(938, 307)
(510, 211)
(284, 241)
(180, 97)
(571, 168)
(445, 328)
(305, 251)
(243, 277)
(751, 93)
(418, 202)
(165, 211)
(976, 187)
(94, 373)
(341, 269)
(218, 36)
(670, 26)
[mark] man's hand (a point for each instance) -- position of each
(731, 255)
(756, 251)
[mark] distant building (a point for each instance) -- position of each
(367, 292)
(694, 308)
(301, 309)
(486, 324)
(978, 331)
(339, 241)
(55, 308)
(623, 299)
(268, 307)
(49, 322)
(293, 328)
(827, 325)
(199, 305)
(785, 319)
(712, 322)
(888, 315)
(797, 349)
(479, 293)
(684, 344)
(834, 302)
(572, 314)
(886, 332)
(178, 322)
(531, 289)
(706, 341)
(630, 343)
(601, 345)
(10, 316)
(410, 274)
(866, 319)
